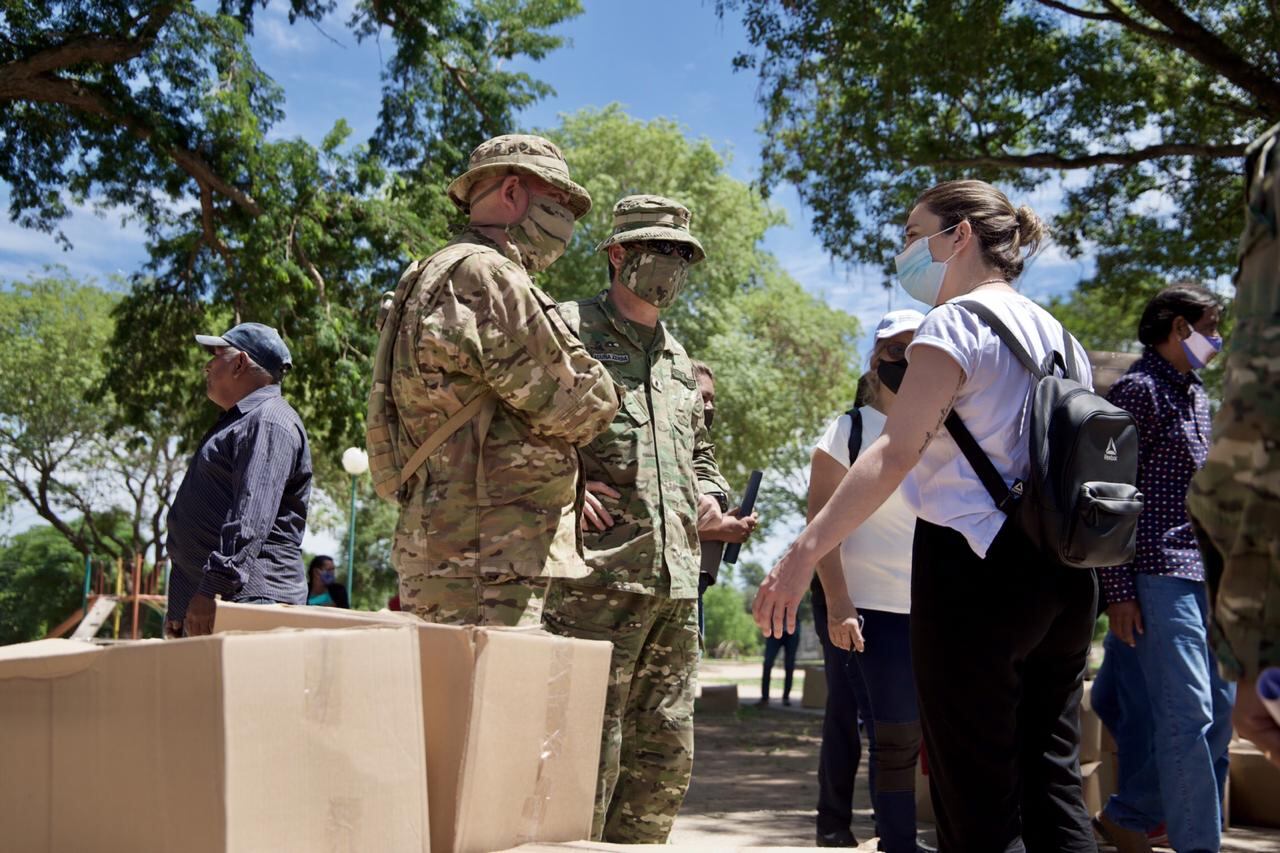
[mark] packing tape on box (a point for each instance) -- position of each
(559, 689)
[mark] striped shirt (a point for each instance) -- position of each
(236, 525)
(1171, 412)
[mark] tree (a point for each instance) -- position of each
(785, 362)
(41, 577)
(731, 632)
(1139, 110)
(104, 487)
(163, 112)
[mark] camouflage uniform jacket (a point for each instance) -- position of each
(656, 454)
(1236, 496)
(502, 494)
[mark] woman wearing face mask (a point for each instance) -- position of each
(865, 592)
(1159, 690)
(999, 632)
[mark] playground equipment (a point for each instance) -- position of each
(129, 592)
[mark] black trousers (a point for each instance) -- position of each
(789, 645)
(841, 750)
(999, 647)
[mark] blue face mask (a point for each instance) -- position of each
(328, 577)
(920, 275)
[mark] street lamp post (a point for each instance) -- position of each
(355, 462)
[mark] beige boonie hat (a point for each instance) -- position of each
(524, 153)
(637, 218)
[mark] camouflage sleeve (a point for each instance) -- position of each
(1235, 497)
(536, 365)
(710, 481)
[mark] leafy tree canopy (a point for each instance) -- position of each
(1139, 109)
(160, 109)
(41, 578)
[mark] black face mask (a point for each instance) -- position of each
(709, 416)
(891, 374)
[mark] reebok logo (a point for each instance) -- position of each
(1111, 455)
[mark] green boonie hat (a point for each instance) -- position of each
(638, 218)
(522, 153)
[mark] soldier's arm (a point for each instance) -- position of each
(536, 365)
(710, 480)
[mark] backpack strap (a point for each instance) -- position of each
(855, 434)
(1005, 497)
(442, 433)
(1005, 334)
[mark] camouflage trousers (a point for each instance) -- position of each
(646, 750)
(505, 600)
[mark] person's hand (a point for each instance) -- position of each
(844, 625)
(778, 598)
(200, 614)
(1254, 723)
(173, 629)
(709, 513)
(1125, 618)
(735, 528)
(593, 511)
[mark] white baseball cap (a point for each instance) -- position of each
(897, 322)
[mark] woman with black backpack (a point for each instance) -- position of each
(1000, 626)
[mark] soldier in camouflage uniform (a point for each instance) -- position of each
(479, 376)
(1235, 498)
(647, 476)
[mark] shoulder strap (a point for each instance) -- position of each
(446, 429)
(855, 433)
(1005, 334)
(1004, 496)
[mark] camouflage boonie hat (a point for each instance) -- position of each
(637, 218)
(523, 153)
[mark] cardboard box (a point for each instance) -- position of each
(512, 721)
(1090, 728)
(295, 741)
(718, 699)
(1254, 787)
(815, 688)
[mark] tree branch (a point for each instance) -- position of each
(1205, 46)
(1075, 11)
(92, 48)
(1051, 160)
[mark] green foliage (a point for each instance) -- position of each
(62, 450)
(730, 629)
(784, 360)
(41, 584)
(164, 113)
(376, 580)
(868, 104)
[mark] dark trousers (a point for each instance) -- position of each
(1000, 646)
(788, 644)
(878, 685)
(841, 750)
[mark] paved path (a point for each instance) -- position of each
(755, 776)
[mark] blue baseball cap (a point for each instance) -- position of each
(261, 343)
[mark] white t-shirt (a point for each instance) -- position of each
(877, 556)
(994, 400)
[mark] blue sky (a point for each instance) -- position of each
(660, 58)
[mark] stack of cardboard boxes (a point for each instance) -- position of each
(389, 734)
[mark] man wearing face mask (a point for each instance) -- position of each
(1159, 691)
(480, 394)
(649, 475)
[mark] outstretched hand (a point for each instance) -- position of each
(778, 599)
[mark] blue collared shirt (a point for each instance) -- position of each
(1171, 412)
(236, 525)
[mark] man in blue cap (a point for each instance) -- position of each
(235, 528)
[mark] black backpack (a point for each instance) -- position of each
(1081, 503)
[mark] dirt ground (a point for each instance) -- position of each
(755, 775)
